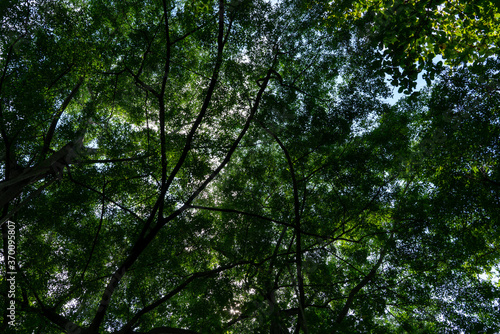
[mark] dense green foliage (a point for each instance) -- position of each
(234, 166)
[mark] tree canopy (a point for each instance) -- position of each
(235, 166)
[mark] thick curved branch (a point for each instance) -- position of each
(162, 112)
(221, 40)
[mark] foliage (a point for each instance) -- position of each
(234, 167)
(410, 34)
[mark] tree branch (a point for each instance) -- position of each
(302, 324)
(10, 189)
(208, 97)
(106, 198)
(175, 291)
(357, 288)
(57, 117)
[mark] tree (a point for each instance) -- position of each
(232, 167)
